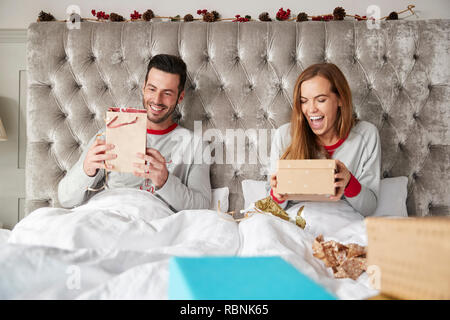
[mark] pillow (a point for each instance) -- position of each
(393, 193)
(222, 195)
(253, 191)
(392, 201)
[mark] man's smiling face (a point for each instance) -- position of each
(161, 96)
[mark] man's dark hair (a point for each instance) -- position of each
(171, 64)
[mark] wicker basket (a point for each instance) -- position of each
(412, 256)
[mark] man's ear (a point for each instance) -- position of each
(181, 97)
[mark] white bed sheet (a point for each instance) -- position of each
(118, 246)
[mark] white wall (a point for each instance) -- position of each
(13, 85)
(18, 14)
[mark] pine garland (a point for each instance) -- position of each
(338, 14)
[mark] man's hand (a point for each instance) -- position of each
(96, 156)
(155, 169)
(273, 185)
(342, 177)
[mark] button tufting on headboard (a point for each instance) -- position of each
(241, 76)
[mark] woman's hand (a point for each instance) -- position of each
(273, 185)
(341, 178)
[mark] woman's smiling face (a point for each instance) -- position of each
(320, 107)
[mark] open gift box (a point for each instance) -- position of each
(306, 180)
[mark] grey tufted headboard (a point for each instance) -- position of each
(241, 75)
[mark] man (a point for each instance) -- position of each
(181, 185)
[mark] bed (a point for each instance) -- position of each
(241, 77)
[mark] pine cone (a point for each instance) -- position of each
(148, 15)
(115, 17)
(44, 16)
(209, 17)
(302, 16)
(188, 18)
(339, 13)
(392, 16)
(264, 17)
(216, 15)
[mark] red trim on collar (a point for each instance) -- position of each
(336, 145)
(160, 132)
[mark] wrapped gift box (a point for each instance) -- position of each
(311, 180)
(409, 258)
(126, 129)
(240, 278)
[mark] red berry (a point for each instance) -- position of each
(93, 12)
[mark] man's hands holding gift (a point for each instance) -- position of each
(155, 169)
(96, 156)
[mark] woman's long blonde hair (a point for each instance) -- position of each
(304, 143)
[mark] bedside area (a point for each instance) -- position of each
(4, 234)
(13, 100)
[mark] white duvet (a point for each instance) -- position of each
(118, 246)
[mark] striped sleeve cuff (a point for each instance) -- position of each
(275, 199)
(353, 187)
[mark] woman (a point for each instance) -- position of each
(323, 126)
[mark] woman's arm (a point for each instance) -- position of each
(275, 154)
(362, 191)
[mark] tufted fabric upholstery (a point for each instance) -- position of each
(241, 75)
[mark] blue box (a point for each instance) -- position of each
(240, 278)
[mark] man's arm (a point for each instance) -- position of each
(194, 193)
(72, 189)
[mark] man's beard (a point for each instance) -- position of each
(163, 118)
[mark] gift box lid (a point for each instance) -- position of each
(240, 278)
(307, 164)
